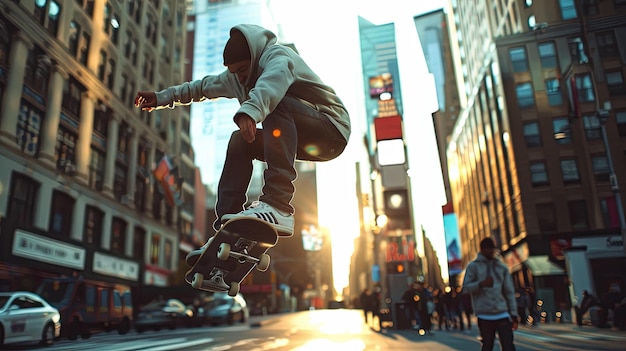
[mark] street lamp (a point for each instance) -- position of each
(603, 116)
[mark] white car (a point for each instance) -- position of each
(25, 316)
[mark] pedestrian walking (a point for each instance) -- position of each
(366, 299)
(466, 310)
(587, 301)
(301, 117)
(490, 285)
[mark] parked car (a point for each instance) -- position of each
(25, 316)
(224, 308)
(88, 305)
(170, 313)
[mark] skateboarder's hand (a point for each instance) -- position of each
(247, 126)
(146, 100)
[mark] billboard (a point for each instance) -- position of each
(379, 84)
(453, 241)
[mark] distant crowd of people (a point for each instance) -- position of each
(611, 304)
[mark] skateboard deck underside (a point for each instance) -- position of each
(254, 235)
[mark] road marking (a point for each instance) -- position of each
(178, 345)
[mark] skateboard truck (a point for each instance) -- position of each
(216, 279)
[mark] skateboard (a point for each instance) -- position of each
(169, 184)
(239, 246)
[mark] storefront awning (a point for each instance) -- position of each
(541, 265)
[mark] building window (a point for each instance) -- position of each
(553, 89)
(547, 55)
(568, 9)
(578, 215)
(168, 256)
(569, 169)
(577, 50)
(615, 83)
(139, 244)
(584, 88)
(48, 12)
(94, 218)
(538, 173)
(65, 150)
(61, 214)
(592, 127)
(546, 217)
(118, 236)
(97, 159)
(83, 48)
(72, 95)
(119, 181)
(525, 96)
(74, 37)
(590, 7)
(21, 204)
(102, 65)
(562, 130)
(531, 134)
(620, 118)
(155, 248)
(610, 214)
(130, 48)
(518, 59)
(101, 121)
(37, 71)
(109, 76)
(600, 167)
(28, 128)
(607, 46)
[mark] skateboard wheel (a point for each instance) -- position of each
(234, 289)
(223, 251)
(197, 280)
(264, 263)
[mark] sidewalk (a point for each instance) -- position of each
(587, 330)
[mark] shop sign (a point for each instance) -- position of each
(39, 248)
(603, 243)
(115, 267)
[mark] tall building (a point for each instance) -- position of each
(386, 208)
(212, 121)
(77, 197)
(528, 160)
(432, 29)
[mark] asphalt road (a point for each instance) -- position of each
(328, 330)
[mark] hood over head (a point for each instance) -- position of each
(257, 38)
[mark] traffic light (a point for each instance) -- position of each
(395, 267)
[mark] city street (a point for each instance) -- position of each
(334, 330)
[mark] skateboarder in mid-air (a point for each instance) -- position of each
(301, 117)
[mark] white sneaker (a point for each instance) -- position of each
(259, 209)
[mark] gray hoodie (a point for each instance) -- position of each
(276, 71)
(496, 299)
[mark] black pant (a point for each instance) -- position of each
(580, 312)
(488, 330)
(292, 131)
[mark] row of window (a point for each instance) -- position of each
(607, 47)
(561, 129)
(569, 170)
(48, 13)
(588, 7)
(578, 215)
(584, 91)
(25, 194)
